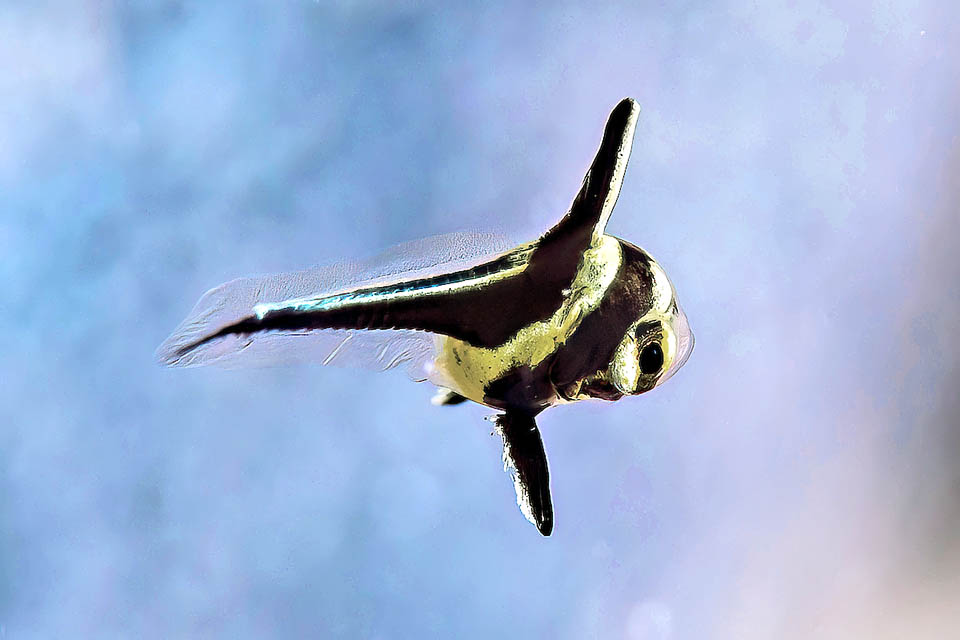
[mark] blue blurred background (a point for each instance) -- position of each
(795, 171)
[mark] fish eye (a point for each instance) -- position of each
(651, 358)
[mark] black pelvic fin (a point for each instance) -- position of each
(524, 457)
(598, 195)
(447, 398)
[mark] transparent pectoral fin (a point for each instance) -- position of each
(196, 341)
(526, 460)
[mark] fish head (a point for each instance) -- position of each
(659, 340)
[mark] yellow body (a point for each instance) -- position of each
(468, 370)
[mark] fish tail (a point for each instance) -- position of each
(219, 325)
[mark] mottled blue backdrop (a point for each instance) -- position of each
(795, 170)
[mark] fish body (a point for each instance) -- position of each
(576, 314)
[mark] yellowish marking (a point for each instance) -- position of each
(662, 289)
(469, 369)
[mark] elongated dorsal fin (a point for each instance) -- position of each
(592, 206)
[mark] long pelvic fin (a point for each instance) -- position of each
(526, 460)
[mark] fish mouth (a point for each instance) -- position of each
(595, 386)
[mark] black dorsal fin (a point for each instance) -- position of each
(593, 204)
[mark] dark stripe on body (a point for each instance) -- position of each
(485, 315)
(593, 344)
(488, 314)
(588, 350)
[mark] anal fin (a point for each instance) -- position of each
(526, 460)
(446, 397)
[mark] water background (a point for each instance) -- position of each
(795, 171)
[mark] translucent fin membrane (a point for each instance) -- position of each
(379, 350)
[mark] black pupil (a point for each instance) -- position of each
(651, 358)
